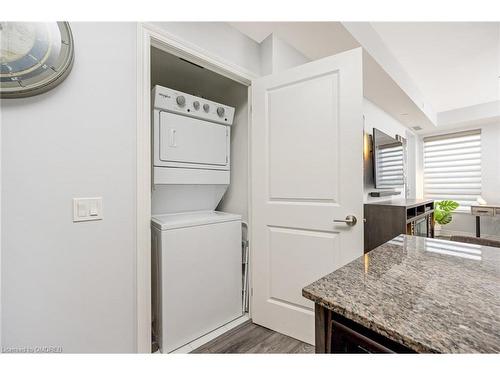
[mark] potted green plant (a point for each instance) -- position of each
(442, 213)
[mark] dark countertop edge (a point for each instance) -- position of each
(390, 334)
(399, 202)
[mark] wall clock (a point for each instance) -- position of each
(34, 57)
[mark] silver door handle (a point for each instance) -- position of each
(349, 220)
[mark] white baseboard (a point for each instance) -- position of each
(211, 335)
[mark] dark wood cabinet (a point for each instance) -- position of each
(386, 220)
(336, 334)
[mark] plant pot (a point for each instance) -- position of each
(437, 229)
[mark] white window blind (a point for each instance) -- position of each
(452, 167)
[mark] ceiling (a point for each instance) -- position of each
(313, 39)
(320, 39)
(454, 64)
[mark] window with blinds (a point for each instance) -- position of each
(452, 167)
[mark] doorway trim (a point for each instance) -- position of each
(150, 35)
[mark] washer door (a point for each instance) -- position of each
(188, 140)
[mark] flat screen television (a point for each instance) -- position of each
(388, 161)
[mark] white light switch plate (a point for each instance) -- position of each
(86, 209)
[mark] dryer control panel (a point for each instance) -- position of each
(178, 102)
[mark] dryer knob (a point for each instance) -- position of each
(181, 101)
(220, 111)
(206, 107)
(196, 105)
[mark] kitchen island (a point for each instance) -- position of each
(411, 294)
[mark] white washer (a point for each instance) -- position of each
(197, 258)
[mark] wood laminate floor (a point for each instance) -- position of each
(252, 338)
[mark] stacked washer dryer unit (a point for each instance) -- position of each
(196, 256)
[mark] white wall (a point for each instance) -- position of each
(237, 195)
(464, 223)
(411, 160)
(277, 55)
(65, 284)
(371, 41)
(377, 118)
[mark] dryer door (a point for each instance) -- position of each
(189, 142)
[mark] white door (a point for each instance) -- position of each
(307, 160)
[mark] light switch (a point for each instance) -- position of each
(86, 209)
(82, 209)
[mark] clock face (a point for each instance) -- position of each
(34, 57)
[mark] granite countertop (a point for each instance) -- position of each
(430, 295)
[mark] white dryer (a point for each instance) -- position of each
(191, 138)
(191, 151)
(197, 252)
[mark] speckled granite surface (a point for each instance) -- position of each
(430, 295)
